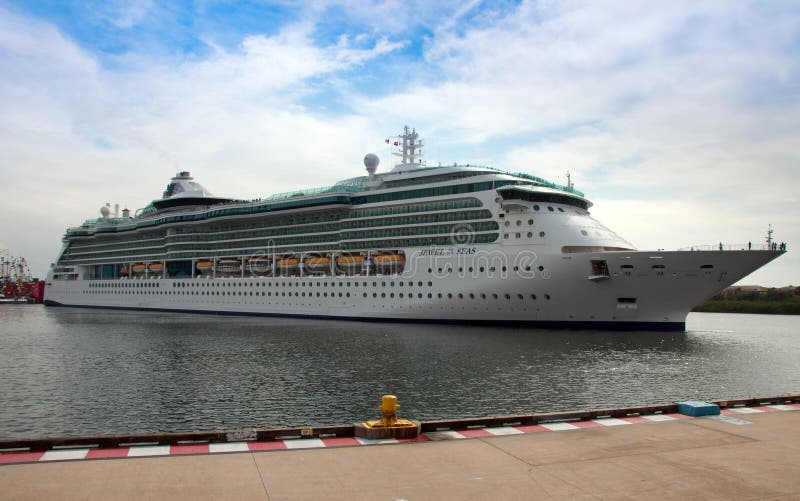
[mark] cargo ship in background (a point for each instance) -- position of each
(455, 243)
(16, 283)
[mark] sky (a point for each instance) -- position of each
(679, 120)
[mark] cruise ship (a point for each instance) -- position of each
(455, 243)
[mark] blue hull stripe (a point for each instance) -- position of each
(541, 324)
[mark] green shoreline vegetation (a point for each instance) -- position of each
(783, 301)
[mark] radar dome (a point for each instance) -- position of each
(371, 161)
(105, 211)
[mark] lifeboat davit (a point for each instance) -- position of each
(229, 265)
(139, 268)
(259, 266)
(124, 271)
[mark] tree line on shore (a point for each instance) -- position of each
(783, 301)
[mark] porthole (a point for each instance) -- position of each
(460, 296)
(508, 223)
(519, 223)
(519, 296)
(517, 235)
(530, 234)
(535, 207)
(560, 209)
(505, 235)
(584, 233)
(533, 296)
(530, 222)
(541, 268)
(549, 208)
(541, 234)
(547, 296)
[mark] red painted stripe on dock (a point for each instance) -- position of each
(340, 442)
(20, 457)
(267, 446)
(475, 432)
(586, 424)
(115, 452)
(189, 449)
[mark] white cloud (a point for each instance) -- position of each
(678, 120)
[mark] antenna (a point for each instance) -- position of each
(769, 237)
(411, 149)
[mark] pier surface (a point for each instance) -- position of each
(692, 458)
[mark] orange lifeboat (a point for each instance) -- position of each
(350, 260)
(318, 263)
(389, 262)
(156, 267)
(205, 265)
(139, 268)
(288, 262)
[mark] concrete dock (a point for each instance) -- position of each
(700, 458)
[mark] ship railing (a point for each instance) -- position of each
(726, 247)
(312, 191)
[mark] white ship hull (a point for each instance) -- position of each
(454, 243)
(564, 293)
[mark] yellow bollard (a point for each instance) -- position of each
(389, 408)
(389, 425)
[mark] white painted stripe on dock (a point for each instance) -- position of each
(228, 447)
(610, 422)
(745, 410)
(659, 417)
(503, 430)
(781, 407)
(64, 454)
(148, 450)
(376, 441)
(445, 434)
(559, 426)
(304, 443)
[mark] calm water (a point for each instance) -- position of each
(72, 371)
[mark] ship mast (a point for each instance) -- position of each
(411, 149)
